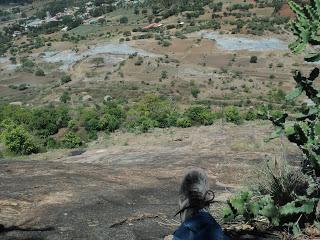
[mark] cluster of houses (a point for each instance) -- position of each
(86, 17)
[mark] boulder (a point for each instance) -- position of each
(170, 237)
(87, 98)
(16, 103)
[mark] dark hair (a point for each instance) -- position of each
(194, 187)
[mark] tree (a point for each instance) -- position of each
(71, 140)
(65, 97)
(40, 72)
(124, 19)
(18, 140)
(98, 61)
(253, 59)
(65, 79)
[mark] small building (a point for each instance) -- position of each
(16, 33)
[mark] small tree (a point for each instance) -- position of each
(39, 72)
(98, 61)
(253, 59)
(195, 91)
(124, 20)
(71, 140)
(65, 97)
(65, 79)
(18, 140)
(232, 114)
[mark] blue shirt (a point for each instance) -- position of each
(202, 226)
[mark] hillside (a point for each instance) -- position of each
(105, 104)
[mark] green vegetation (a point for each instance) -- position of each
(124, 20)
(17, 139)
(232, 114)
(288, 198)
(65, 97)
(253, 59)
(39, 72)
(65, 79)
(41, 125)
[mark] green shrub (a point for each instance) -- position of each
(92, 125)
(200, 115)
(46, 121)
(52, 143)
(73, 125)
(232, 114)
(184, 122)
(253, 59)
(195, 91)
(166, 43)
(39, 72)
(109, 123)
(124, 19)
(251, 115)
(145, 124)
(18, 140)
(23, 86)
(164, 74)
(27, 63)
(71, 140)
(65, 97)
(65, 79)
(163, 112)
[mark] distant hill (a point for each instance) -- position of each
(15, 1)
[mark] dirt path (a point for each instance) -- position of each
(129, 191)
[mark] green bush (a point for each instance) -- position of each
(253, 59)
(195, 91)
(251, 115)
(65, 79)
(162, 112)
(18, 140)
(23, 86)
(124, 19)
(39, 72)
(52, 143)
(145, 124)
(65, 97)
(92, 125)
(200, 115)
(109, 123)
(17, 114)
(27, 63)
(46, 121)
(184, 122)
(232, 114)
(166, 43)
(73, 125)
(71, 140)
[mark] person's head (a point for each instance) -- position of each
(194, 193)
